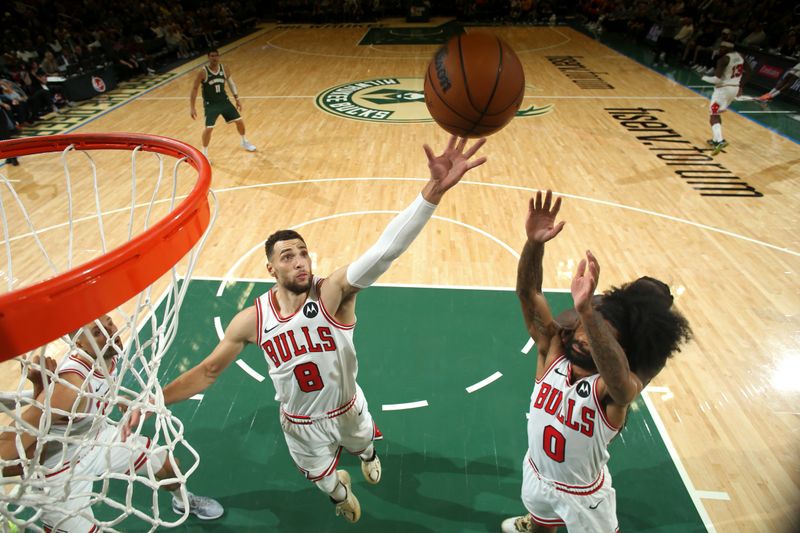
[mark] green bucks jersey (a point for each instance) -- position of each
(214, 86)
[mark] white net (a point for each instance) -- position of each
(66, 464)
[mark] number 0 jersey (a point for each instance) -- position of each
(568, 432)
(311, 357)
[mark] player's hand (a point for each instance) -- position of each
(238, 105)
(193, 113)
(448, 168)
(541, 223)
(35, 374)
(585, 282)
(133, 423)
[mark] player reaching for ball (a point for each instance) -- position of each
(587, 375)
(305, 324)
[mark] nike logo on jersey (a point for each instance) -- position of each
(560, 373)
(595, 505)
(267, 330)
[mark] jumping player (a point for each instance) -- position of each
(305, 324)
(74, 465)
(729, 78)
(587, 375)
(213, 77)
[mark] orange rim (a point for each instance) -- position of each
(35, 315)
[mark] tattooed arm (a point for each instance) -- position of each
(540, 228)
(621, 384)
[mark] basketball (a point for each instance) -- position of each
(474, 85)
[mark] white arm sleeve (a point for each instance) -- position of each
(396, 238)
(232, 85)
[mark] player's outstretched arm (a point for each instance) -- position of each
(446, 171)
(241, 330)
(540, 227)
(622, 385)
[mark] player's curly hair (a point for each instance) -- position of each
(650, 329)
(280, 235)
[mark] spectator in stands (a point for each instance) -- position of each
(7, 126)
(15, 102)
(756, 37)
(668, 47)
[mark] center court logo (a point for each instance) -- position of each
(398, 100)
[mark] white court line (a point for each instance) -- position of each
(666, 394)
(491, 185)
(527, 347)
(537, 96)
(766, 112)
(260, 245)
(196, 397)
(247, 368)
(676, 460)
(401, 406)
(218, 328)
(482, 383)
(711, 495)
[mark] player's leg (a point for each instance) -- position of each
(203, 507)
(206, 138)
(592, 512)
(74, 511)
(316, 454)
(721, 99)
(245, 143)
(231, 114)
(358, 433)
(539, 499)
(787, 81)
(135, 453)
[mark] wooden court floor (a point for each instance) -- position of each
(621, 143)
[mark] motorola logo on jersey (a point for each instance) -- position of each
(310, 310)
(396, 100)
(584, 389)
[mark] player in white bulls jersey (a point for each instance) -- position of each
(304, 325)
(72, 466)
(589, 369)
(731, 74)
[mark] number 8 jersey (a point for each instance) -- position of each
(568, 432)
(311, 357)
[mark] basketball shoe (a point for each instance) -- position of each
(349, 508)
(517, 524)
(247, 145)
(766, 97)
(372, 469)
(718, 147)
(200, 506)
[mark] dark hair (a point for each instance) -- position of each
(280, 235)
(212, 51)
(650, 329)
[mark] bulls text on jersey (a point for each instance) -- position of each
(283, 346)
(549, 400)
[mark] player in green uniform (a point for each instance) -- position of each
(213, 77)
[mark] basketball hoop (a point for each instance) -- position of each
(35, 315)
(73, 249)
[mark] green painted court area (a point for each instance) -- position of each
(453, 466)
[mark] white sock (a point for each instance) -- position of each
(331, 486)
(774, 92)
(368, 453)
(205, 151)
(716, 132)
(244, 140)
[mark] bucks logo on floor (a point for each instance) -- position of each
(387, 100)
